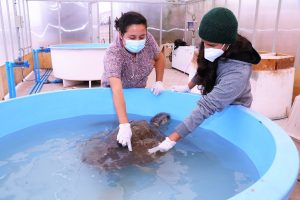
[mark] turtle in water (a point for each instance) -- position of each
(104, 152)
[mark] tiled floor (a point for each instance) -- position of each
(171, 77)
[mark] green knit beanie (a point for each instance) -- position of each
(219, 25)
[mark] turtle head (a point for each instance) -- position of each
(160, 119)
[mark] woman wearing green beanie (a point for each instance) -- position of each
(224, 69)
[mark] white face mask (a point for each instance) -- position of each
(135, 46)
(212, 54)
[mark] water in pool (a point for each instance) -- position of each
(43, 162)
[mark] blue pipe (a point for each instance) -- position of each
(44, 79)
(20, 63)
(33, 89)
(10, 75)
(37, 86)
(36, 66)
(54, 81)
(39, 81)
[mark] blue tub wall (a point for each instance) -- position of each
(41, 108)
(251, 132)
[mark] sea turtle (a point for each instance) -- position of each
(103, 151)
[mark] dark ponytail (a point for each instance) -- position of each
(127, 19)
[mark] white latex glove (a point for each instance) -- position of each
(181, 88)
(166, 145)
(124, 135)
(157, 88)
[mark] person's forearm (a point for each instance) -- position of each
(191, 85)
(120, 106)
(159, 67)
(119, 101)
(174, 136)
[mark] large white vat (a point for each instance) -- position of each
(78, 62)
(182, 57)
(272, 92)
(272, 83)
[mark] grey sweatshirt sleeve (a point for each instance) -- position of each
(230, 85)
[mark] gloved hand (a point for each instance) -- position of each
(166, 145)
(124, 135)
(157, 88)
(181, 88)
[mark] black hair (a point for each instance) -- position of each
(127, 19)
(241, 50)
(178, 43)
(207, 71)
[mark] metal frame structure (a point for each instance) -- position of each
(23, 29)
(25, 41)
(3, 35)
(20, 15)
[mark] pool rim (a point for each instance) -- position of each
(268, 186)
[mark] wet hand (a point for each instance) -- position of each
(181, 88)
(166, 145)
(124, 135)
(157, 88)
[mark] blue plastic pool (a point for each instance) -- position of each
(266, 144)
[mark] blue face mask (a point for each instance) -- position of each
(135, 46)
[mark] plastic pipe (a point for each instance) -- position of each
(98, 23)
(185, 23)
(160, 25)
(239, 10)
(10, 30)
(44, 79)
(10, 75)
(59, 22)
(90, 21)
(38, 85)
(25, 24)
(36, 66)
(17, 28)
(111, 25)
(275, 37)
(55, 81)
(29, 26)
(39, 81)
(255, 23)
(21, 30)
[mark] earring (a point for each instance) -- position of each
(227, 47)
